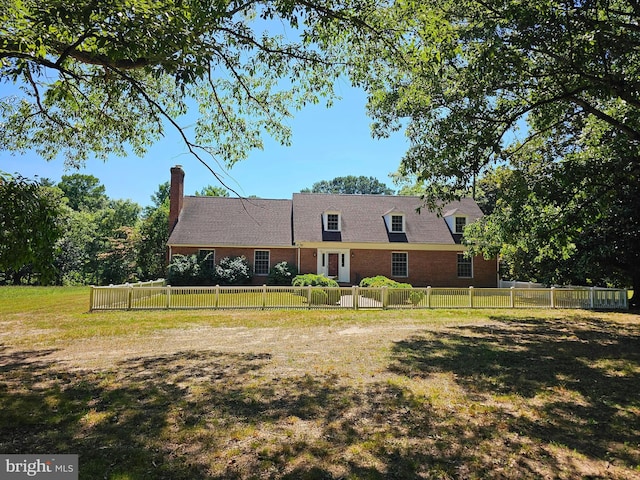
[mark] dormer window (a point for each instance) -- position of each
(397, 223)
(332, 221)
(394, 221)
(456, 221)
(461, 222)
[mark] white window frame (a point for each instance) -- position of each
(402, 223)
(406, 256)
(326, 221)
(464, 261)
(455, 223)
(255, 262)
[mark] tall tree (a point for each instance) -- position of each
(94, 237)
(118, 262)
(152, 249)
(478, 83)
(159, 196)
(84, 192)
(350, 185)
(101, 77)
(116, 241)
(575, 220)
(213, 191)
(29, 228)
(76, 255)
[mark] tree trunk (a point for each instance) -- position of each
(16, 277)
(634, 302)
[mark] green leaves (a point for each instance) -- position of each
(466, 75)
(103, 78)
(351, 185)
(548, 90)
(29, 228)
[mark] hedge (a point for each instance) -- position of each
(393, 297)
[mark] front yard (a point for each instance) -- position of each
(320, 394)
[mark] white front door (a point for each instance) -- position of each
(334, 264)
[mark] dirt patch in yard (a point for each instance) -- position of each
(354, 352)
(502, 397)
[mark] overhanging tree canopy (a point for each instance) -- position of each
(473, 72)
(98, 77)
(550, 88)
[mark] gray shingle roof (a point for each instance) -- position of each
(362, 218)
(233, 221)
(208, 221)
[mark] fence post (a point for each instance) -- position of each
(512, 295)
(309, 296)
(264, 296)
(355, 293)
(91, 298)
(217, 300)
(592, 297)
(168, 295)
(470, 296)
(129, 295)
(553, 297)
(385, 297)
(429, 296)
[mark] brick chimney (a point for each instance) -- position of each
(176, 195)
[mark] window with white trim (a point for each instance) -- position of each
(261, 262)
(399, 264)
(461, 222)
(208, 258)
(465, 266)
(397, 223)
(332, 222)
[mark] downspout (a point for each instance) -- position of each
(168, 259)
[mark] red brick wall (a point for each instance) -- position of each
(436, 269)
(308, 262)
(276, 255)
(485, 272)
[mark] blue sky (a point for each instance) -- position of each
(326, 143)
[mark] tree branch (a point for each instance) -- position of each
(163, 113)
(587, 107)
(42, 110)
(71, 48)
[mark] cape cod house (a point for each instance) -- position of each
(346, 237)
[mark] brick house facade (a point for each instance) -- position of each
(346, 237)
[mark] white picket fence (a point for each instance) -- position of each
(154, 297)
(121, 297)
(517, 284)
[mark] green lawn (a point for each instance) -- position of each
(408, 394)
